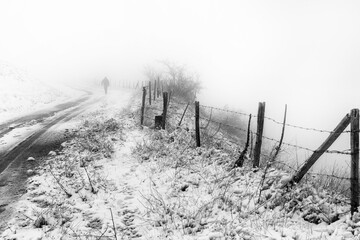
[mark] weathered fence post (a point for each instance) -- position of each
(326, 144)
(158, 122)
(182, 116)
(197, 123)
(143, 106)
(165, 105)
(354, 177)
(259, 134)
(240, 161)
(154, 90)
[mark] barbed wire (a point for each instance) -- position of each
(153, 108)
(224, 110)
(302, 128)
(284, 143)
(273, 120)
(327, 175)
(346, 152)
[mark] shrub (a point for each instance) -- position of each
(177, 79)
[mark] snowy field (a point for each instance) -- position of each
(115, 180)
(21, 94)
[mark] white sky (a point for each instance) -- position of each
(304, 53)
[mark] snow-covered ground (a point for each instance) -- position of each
(22, 94)
(115, 180)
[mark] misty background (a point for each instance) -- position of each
(302, 53)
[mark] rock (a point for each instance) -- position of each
(30, 172)
(184, 187)
(40, 221)
(31, 159)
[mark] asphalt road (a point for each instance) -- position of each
(37, 144)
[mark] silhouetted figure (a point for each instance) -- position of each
(105, 83)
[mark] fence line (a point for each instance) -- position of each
(275, 140)
(344, 152)
(270, 119)
(350, 119)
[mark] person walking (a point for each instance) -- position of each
(105, 83)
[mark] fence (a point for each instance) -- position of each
(154, 93)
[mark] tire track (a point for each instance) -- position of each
(14, 167)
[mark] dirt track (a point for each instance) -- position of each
(13, 160)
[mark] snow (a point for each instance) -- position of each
(22, 94)
(153, 184)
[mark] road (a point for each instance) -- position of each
(34, 135)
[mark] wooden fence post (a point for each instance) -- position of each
(143, 106)
(154, 90)
(182, 116)
(327, 143)
(197, 123)
(165, 105)
(149, 92)
(354, 177)
(240, 161)
(259, 134)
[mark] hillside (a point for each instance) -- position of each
(22, 94)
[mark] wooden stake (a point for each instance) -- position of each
(158, 87)
(143, 106)
(165, 105)
(327, 143)
(259, 134)
(240, 161)
(281, 138)
(272, 160)
(154, 90)
(354, 177)
(182, 116)
(197, 123)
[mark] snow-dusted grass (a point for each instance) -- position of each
(194, 195)
(128, 182)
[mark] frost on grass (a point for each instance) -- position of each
(194, 192)
(67, 185)
(127, 182)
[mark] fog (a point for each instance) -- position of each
(302, 53)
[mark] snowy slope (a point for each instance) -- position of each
(22, 94)
(115, 180)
